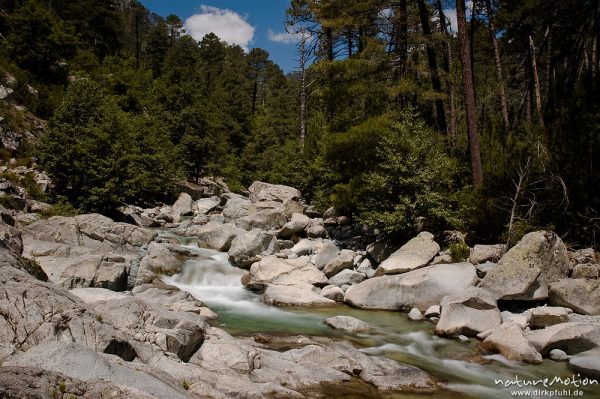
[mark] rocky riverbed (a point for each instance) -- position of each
(223, 295)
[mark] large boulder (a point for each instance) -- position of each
(349, 324)
(291, 295)
(260, 191)
(345, 260)
(248, 247)
(214, 235)
(328, 252)
(381, 250)
(82, 363)
(160, 259)
(347, 277)
(182, 207)
(468, 313)
(415, 254)
(205, 205)
(10, 237)
(296, 225)
(587, 363)
(420, 288)
(545, 316)
(273, 270)
(526, 270)
(486, 253)
(509, 341)
(172, 298)
(570, 337)
(266, 219)
(101, 271)
(582, 295)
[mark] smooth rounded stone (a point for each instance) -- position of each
(79, 362)
(416, 253)
(442, 259)
(286, 245)
(415, 315)
(273, 270)
(328, 252)
(170, 297)
(160, 259)
(333, 292)
(484, 268)
(585, 271)
(570, 337)
(345, 287)
(266, 219)
(182, 207)
(509, 341)
(291, 206)
(463, 338)
(432, 311)
(306, 247)
(526, 270)
(91, 295)
(260, 191)
(434, 319)
(316, 228)
(486, 253)
(296, 225)
(582, 295)
(205, 205)
(347, 277)
(587, 363)
(381, 250)
(291, 295)
(248, 247)
(349, 324)
(520, 319)
(366, 268)
(218, 236)
(545, 316)
(345, 260)
(558, 355)
(420, 288)
(468, 313)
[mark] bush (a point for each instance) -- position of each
(459, 251)
(59, 209)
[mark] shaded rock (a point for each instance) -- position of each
(276, 271)
(205, 205)
(510, 343)
(260, 191)
(218, 236)
(333, 292)
(292, 295)
(525, 271)
(182, 207)
(468, 313)
(486, 253)
(291, 206)
(484, 268)
(349, 324)
(345, 260)
(316, 229)
(415, 254)
(582, 295)
(420, 288)
(296, 225)
(236, 208)
(570, 337)
(366, 268)
(442, 259)
(328, 252)
(584, 256)
(545, 316)
(415, 315)
(248, 247)
(587, 363)
(348, 277)
(204, 188)
(381, 250)
(305, 247)
(172, 298)
(433, 311)
(586, 271)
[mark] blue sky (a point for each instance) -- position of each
(249, 23)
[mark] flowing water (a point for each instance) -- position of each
(465, 371)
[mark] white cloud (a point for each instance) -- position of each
(283, 37)
(230, 26)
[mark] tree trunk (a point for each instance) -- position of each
(469, 94)
(432, 60)
(447, 64)
(329, 43)
(536, 82)
(502, 92)
(401, 39)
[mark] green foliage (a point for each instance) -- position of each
(185, 384)
(60, 208)
(459, 251)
